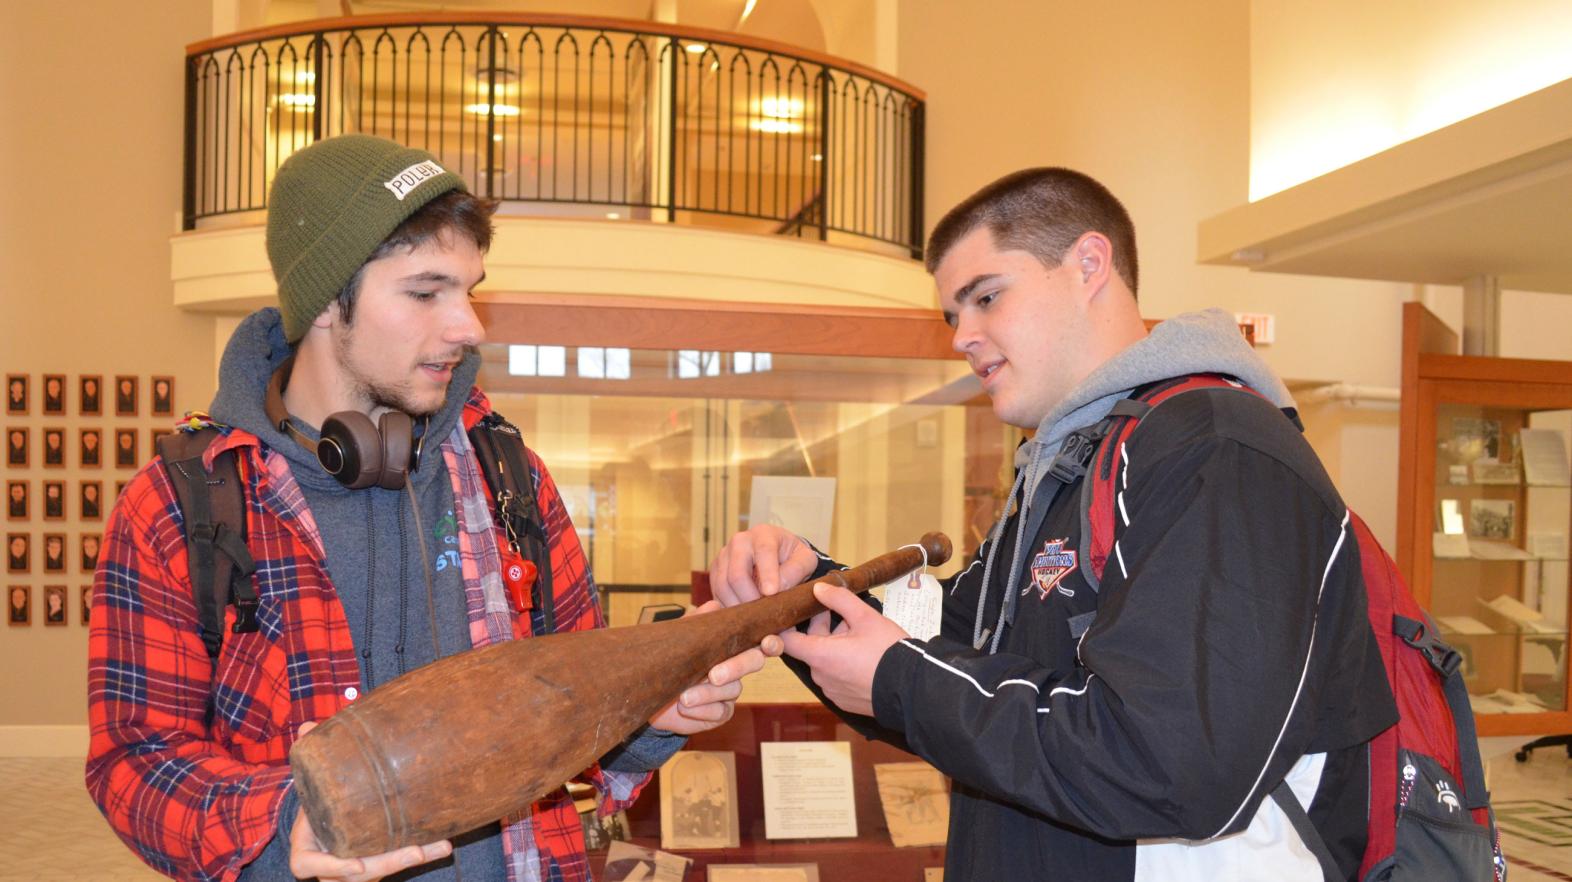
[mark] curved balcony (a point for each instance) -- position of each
(571, 116)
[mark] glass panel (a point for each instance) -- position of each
(658, 453)
(1500, 580)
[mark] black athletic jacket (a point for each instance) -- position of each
(1228, 648)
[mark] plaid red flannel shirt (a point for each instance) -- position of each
(198, 798)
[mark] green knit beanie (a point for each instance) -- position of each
(331, 205)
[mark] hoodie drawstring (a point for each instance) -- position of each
(403, 587)
(993, 550)
(1017, 555)
(366, 654)
(368, 644)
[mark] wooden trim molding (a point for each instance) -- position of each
(1423, 332)
(669, 323)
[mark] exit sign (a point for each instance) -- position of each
(1262, 326)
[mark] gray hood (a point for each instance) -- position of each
(257, 348)
(1198, 342)
(1195, 342)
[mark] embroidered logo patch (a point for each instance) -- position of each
(402, 183)
(1050, 566)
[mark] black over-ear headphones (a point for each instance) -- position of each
(352, 449)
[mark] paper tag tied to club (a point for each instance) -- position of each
(916, 603)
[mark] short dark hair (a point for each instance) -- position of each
(1041, 211)
(456, 211)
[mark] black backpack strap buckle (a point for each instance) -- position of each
(1422, 636)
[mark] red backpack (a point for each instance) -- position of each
(1429, 813)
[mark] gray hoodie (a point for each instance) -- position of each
(384, 593)
(374, 557)
(1198, 342)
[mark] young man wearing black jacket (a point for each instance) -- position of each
(1132, 731)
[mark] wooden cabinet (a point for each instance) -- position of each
(1484, 516)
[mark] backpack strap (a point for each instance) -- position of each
(504, 463)
(1101, 501)
(212, 505)
(1283, 795)
(1422, 636)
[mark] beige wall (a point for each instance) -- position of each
(1154, 100)
(1338, 80)
(90, 177)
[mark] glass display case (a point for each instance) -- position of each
(670, 426)
(860, 429)
(1486, 509)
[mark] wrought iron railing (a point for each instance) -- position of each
(570, 115)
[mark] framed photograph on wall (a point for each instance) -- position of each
(54, 394)
(87, 603)
(54, 553)
(163, 396)
(18, 553)
(125, 395)
(19, 605)
(16, 447)
(125, 448)
(90, 444)
(18, 501)
(91, 500)
(89, 544)
(89, 397)
(55, 604)
(54, 501)
(153, 436)
(54, 448)
(16, 394)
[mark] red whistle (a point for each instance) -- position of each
(518, 576)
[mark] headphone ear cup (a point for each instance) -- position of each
(398, 437)
(351, 449)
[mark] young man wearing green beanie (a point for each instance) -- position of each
(362, 575)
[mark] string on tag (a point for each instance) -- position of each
(915, 581)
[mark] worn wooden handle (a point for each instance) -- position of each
(479, 735)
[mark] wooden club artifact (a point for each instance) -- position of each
(475, 736)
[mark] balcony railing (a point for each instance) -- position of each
(570, 115)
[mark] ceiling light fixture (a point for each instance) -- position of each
(776, 126)
(781, 108)
(483, 108)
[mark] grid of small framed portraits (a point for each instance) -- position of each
(72, 443)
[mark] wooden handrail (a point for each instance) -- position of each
(553, 20)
